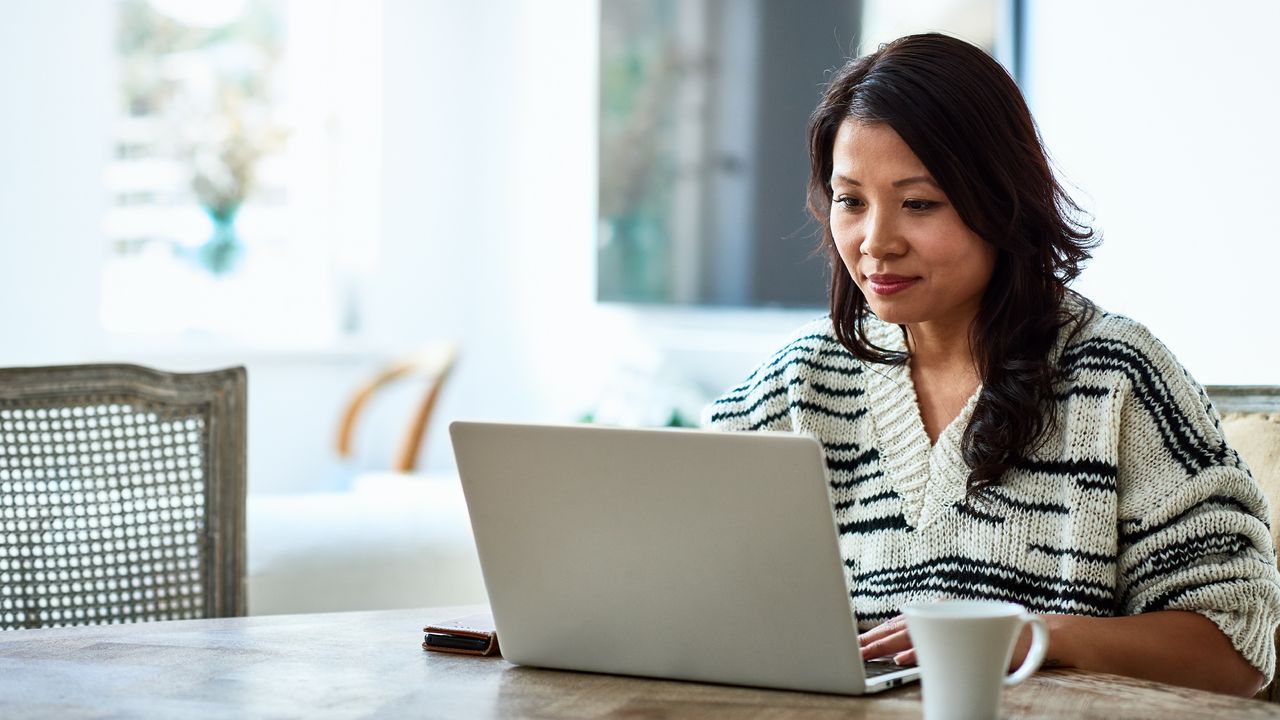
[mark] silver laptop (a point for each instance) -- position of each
(680, 554)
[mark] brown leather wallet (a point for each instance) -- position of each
(470, 635)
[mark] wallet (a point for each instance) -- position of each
(470, 635)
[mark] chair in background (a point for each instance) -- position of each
(432, 363)
(394, 537)
(122, 495)
(1251, 423)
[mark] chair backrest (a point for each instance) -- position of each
(433, 363)
(122, 494)
(1251, 423)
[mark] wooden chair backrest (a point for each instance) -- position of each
(435, 363)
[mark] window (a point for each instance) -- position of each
(704, 106)
(244, 179)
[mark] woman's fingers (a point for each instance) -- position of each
(894, 644)
(888, 638)
(884, 629)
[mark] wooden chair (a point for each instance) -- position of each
(434, 364)
(1251, 423)
(122, 494)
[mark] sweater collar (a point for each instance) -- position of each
(928, 477)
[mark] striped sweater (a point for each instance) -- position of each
(1133, 504)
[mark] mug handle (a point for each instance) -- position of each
(1036, 653)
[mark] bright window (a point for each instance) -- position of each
(244, 182)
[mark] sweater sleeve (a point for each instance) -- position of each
(1193, 533)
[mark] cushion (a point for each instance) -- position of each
(1256, 436)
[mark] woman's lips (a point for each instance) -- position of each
(890, 284)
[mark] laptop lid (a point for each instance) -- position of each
(681, 554)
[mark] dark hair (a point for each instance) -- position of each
(962, 114)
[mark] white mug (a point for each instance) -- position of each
(963, 648)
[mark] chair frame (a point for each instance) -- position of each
(435, 363)
(221, 396)
(1245, 398)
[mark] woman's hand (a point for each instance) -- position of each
(888, 638)
(891, 638)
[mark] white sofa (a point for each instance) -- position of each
(392, 541)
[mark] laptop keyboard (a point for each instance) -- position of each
(880, 666)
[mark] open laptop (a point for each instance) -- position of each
(682, 554)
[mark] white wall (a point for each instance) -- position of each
(1167, 118)
(54, 144)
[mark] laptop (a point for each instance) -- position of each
(680, 554)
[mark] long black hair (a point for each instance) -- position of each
(962, 114)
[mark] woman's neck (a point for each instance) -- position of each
(943, 372)
(944, 348)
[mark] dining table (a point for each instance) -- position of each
(372, 664)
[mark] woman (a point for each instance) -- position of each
(989, 433)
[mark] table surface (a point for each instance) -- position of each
(372, 664)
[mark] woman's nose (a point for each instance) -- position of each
(881, 238)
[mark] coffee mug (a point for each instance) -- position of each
(963, 648)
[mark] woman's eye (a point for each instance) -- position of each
(919, 205)
(850, 203)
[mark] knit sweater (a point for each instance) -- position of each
(1133, 503)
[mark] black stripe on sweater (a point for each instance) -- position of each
(766, 397)
(865, 457)
(886, 495)
(855, 481)
(869, 619)
(1086, 474)
(743, 392)
(835, 392)
(1187, 553)
(803, 404)
(976, 514)
(1060, 600)
(795, 345)
(1132, 537)
(874, 525)
(967, 577)
(1101, 558)
(785, 357)
(1165, 599)
(799, 404)
(1088, 391)
(1187, 448)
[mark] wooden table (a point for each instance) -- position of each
(372, 664)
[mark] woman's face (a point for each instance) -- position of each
(899, 236)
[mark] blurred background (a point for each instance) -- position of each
(599, 203)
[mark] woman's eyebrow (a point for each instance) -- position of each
(837, 177)
(915, 179)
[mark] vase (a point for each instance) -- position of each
(221, 253)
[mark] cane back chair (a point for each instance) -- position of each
(122, 495)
